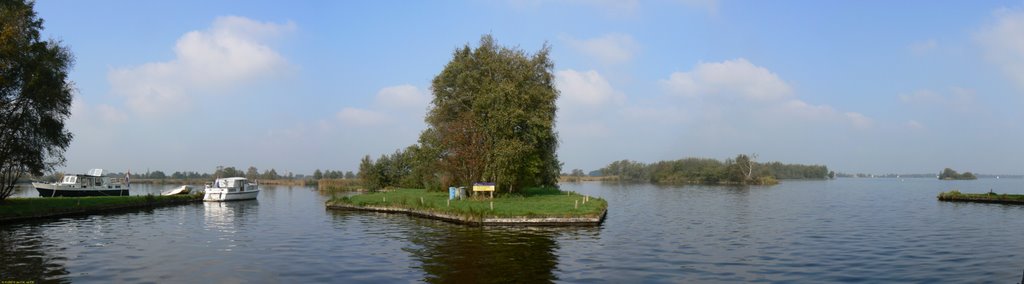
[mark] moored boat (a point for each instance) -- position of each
(92, 183)
(184, 189)
(228, 189)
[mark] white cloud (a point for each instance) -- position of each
(730, 78)
(585, 88)
(913, 124)
(710, 5)
(858, 120)
(609, 49)
(923, 47)
(955, 99)
(361, 117)
(394, 105)
(402, 97)
(1003, 43)
(231, 52)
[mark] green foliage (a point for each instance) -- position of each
(949, 173)
(34, 207)
(741, 170)
(226, 172)
(492, 117)
(529, 202)
(955, 195)
(35, 96)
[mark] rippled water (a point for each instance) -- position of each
(845, 230)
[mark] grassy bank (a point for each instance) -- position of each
(16, 209)
(991, 197)
(531, 203)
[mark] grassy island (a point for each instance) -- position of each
(533, 206)
(991, 197)
(20, 209)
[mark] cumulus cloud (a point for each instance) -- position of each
(730, 78)
(955, 99)
(585, 88)
(913, 124)
(402, 97)
(231, 52)
(361, 117)
(393, 104)
(96, 115)
(922, 47)
(759, 89)
(609, 49)
(1003, 43)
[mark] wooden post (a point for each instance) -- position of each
(577, 206)
(449, 203)
(492, 205)
(421, 200)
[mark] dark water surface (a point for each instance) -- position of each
(845, 230)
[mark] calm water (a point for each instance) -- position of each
(845, 230)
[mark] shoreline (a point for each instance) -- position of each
(539, 206)
(479, 221)
(991, 197)
(126, 203)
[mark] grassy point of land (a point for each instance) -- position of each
(990, 197)
(15, 209)
(530, 203)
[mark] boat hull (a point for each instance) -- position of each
(60, 192)
(230, 196)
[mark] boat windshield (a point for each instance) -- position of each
(70, 179)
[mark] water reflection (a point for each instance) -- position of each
(461, 254)
(24, 257)
(229, 216)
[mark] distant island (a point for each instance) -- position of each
(742, 170)
(950, 174)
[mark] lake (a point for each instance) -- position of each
(843, 230)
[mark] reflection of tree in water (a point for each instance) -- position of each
(22, 257)
(461, 254)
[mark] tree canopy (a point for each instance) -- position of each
(35, 96)
(493, 115)
(491, 119)
(950, 174)
(741, 170)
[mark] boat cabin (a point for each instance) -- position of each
(234, 184)
(94, 178)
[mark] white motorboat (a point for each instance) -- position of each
(227, 189)
(92, 183)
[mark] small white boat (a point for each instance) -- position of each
(184, 189)
(93, 183)
(227, 189)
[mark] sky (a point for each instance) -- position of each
(859, 86)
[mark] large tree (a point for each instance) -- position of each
(493, 116)
(35, 96)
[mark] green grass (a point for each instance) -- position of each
(532, 202)
(956, 195)
(37, 207)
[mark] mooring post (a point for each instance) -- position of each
(492, 205)
(577, 206)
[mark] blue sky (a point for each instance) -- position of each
(860, 86)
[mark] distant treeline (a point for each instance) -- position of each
(221, 171)
(741, 170)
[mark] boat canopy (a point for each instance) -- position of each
(230, 182)
(95, 172)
